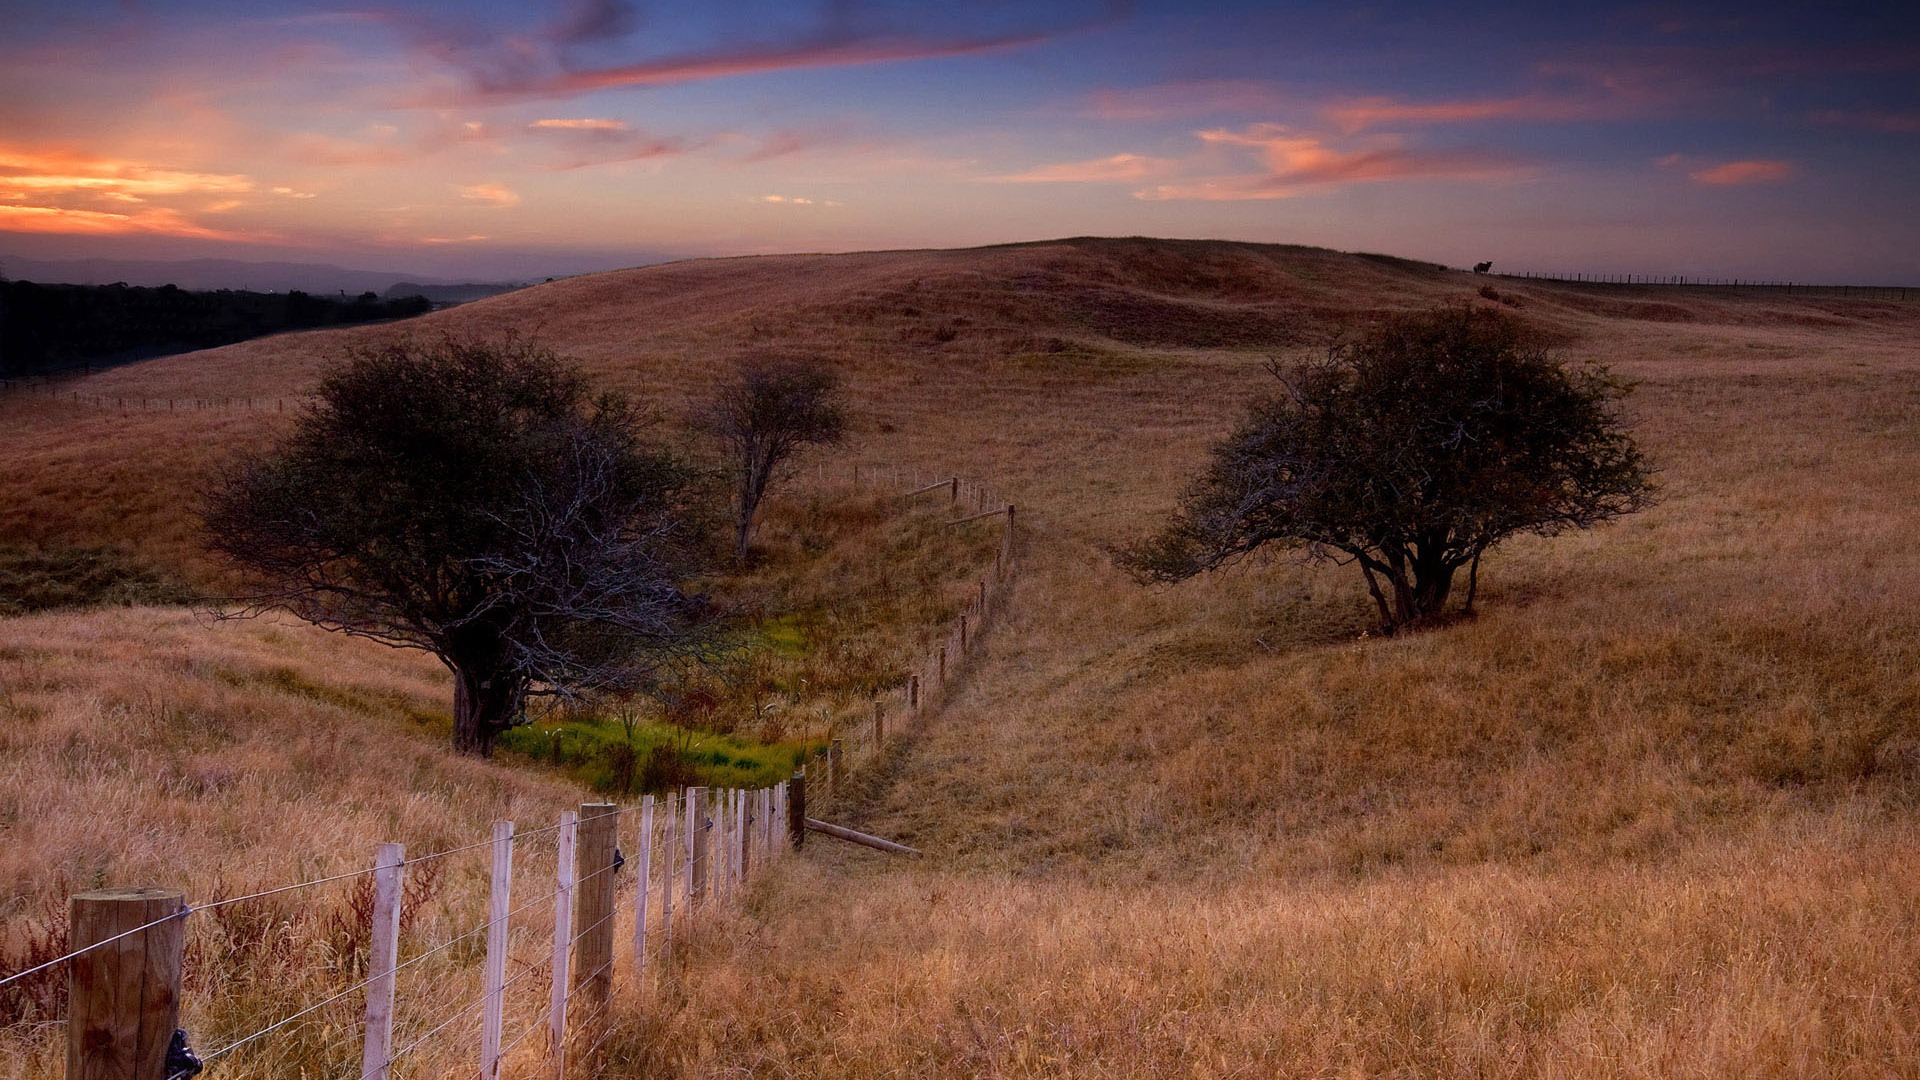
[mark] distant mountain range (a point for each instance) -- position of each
(205, 274)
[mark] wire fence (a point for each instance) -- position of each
(386, 972)
(1785, 288)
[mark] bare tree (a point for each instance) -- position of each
(474, 500)
(1410, 452)
(765, 416)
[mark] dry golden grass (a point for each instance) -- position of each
(1651, 814)
(150, 746)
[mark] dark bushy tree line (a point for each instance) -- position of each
(48, 327)
(1410, 451)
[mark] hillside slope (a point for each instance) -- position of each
(1651, 814)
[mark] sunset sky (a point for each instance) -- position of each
(520, 139)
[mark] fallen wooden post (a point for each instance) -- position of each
(1008, 510)
(840, 833)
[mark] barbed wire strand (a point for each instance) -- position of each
(181, 914)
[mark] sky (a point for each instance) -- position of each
(530, 138)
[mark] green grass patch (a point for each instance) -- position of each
(620, 759)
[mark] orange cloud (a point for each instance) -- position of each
(1743, 172)
(63, 191)
(1117, 167)
(1296, 162)
(1284, 163)
(54, 219)
(584, 124)
(53, 172)
(492, 194)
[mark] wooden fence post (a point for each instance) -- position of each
(593, 901)
(942, 680)
(123, 999)
(749, 819)
(698, 812)
(382, 954)
(913, 691)
(879, 725)
(666, 878)
(836, 766)
(687, 829)
(797, 809)
(643, 884)
(1007, 541)
(499, 904)
(955, 482)
(562, 947)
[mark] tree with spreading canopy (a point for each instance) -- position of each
(1410, 451)
(476, 500)
(769, 411)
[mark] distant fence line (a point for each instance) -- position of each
(543, 998)
(1791, 288)
(57, 388)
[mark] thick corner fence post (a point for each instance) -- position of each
(123, 998)
(593, 902)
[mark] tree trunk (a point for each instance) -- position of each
(482, 709)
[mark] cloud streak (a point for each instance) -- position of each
(1269, 161)
(1742, 172)
(543, 66)
(1099, 170)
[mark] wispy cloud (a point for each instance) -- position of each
(1743, 172)
(794, 200)
(1100, 170)
(848, 33)
(63, 191)
(59, 171)
(1361, 114)
(491, 194)
(1728, 173)
(585, 142)
(582, 124)
(1269, 161)
(71, 221)
(1295, 163)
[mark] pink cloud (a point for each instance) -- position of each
(1296, 162)
(1743, 172)
(1100, 170)
(1359, 114)
(585, 124)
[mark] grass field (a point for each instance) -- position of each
(1652, 813)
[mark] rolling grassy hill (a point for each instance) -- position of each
(1652, 813)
